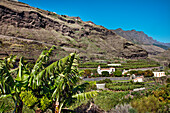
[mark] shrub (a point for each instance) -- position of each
(139, 83)
(87, 72)
(133, 72)
(105, 81)
(146, 104)
(136, 93)
(45, 102)
(148, 73)
(91, 86)
(119, 84)
(107, 100)
(28, 98)
(162, 94)
(121, 108)
(9, 105)
(6, 105)
(95, 75)
(105, 74)
(132, 110)
(117, 73)
(168, 85)
(168, 80)
(124, 88)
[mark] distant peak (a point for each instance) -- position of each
(133, 30)
(77, 18)
(90, 22)
(141, 31)
(119, 29)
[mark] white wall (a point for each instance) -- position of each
(159, 74)
(138, 80)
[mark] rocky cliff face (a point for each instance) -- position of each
(152, 46)
(25, 31)
(138, 37)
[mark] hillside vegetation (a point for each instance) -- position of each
(25, 30)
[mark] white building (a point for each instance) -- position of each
(100, 86)
(110, 70)
(125, 71)
(139, 89)
(159, 74)
(114, 64)
(138, 79)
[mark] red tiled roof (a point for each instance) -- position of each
(106, 69)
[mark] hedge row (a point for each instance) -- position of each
(124, 88)
(124, 83)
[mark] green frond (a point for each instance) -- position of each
(86, 95)
(23, 73)
(80, 88)
(39, 67)
(58, 68)
(5, 96)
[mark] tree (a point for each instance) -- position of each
(58, 80)
(118, 73)
(87, 72)
(55, 84)
(148, 73)
(105, 74)
(146, 104)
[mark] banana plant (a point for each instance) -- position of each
(61, 78)
(7, 83)
(6, 80)
(13, 87)
(39, 67)
(57, 81)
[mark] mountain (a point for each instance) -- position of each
(25, 31)
(141, 39)
(163, 58)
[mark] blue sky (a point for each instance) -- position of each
(149, 16)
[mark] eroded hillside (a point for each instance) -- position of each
(25, 31)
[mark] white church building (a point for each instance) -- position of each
(110, 70)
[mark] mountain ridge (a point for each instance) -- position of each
(148, 37)
(69, 34)
(143, 40)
